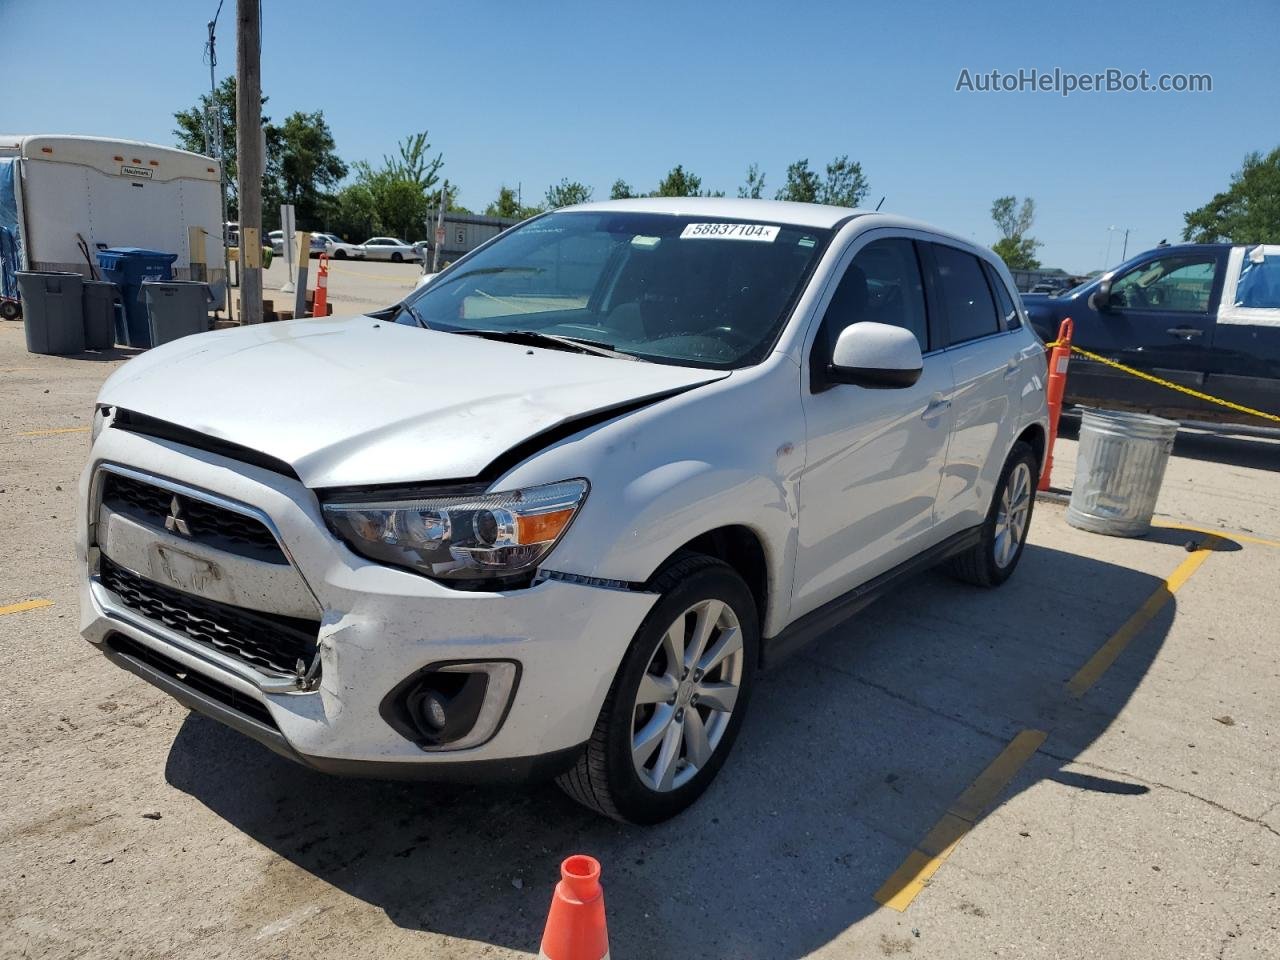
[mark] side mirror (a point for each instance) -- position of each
(1100, 299)
(872, 354)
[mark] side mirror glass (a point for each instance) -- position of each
(872, 354)
(1101, 298)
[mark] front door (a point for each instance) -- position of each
(1156, 320)
(874, 456)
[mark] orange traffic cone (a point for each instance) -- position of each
(575, 925)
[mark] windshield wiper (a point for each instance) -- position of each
(538, 338)
(412, 311)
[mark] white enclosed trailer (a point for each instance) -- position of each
(113, 193)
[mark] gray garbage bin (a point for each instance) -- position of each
(1119, 468)
(100, 298)
(53, 312)
(177, 308)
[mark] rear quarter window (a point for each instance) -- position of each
(1004, 299)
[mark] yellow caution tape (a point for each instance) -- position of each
(1175, 386)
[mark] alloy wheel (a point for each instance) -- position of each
(1011, 518)
(687, 695)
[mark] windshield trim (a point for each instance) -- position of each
(786, 315)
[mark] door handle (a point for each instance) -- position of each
(1185, 332)
(936, 408)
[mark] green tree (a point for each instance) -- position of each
(1248, 211)
(309, 167)
(194, 132)
(566, 193)
(679, 182)
(1013, 221)
(753, 189)
(621, 190)
(802, 184)
(845, 185)
(507, 204)
(413, 162)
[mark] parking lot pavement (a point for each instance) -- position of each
(882, 765)
(355, 286)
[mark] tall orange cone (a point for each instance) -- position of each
(575, 925)
(1056, 388)
(320, 307)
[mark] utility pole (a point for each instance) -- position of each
(250, 147)
(1124, 254)
(219, 154)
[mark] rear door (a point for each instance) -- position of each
(1245, 363)
(986, 366)
(1159, 320)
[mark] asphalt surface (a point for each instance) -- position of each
(1145, 823)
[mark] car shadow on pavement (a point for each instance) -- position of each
(851, 752)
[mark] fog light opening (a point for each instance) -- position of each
(451, 705)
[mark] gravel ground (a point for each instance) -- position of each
(1147, 824)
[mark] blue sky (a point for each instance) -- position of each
(532, 92)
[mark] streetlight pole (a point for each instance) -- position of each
(249, 155)
(1111, 232)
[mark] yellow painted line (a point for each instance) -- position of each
(1097, 665)
(54, 431)
(25, 605)
(1243, 537)
(905, 883)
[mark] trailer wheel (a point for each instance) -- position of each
(10, 310)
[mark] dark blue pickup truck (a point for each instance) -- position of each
(1206, 316)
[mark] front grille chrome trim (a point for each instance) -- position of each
(309, 682)
(157, 633)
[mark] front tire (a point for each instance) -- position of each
(1004, 532)
(678, 699)
(339, 254)
(397, 258)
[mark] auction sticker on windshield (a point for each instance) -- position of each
(730, 231)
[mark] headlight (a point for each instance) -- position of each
(488, 536)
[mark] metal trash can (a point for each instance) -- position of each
(176, 309)
(100, 298)
(128, 267)
(1119, 468)
(53, 312)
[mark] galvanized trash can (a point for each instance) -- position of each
(100, 298)
(176, 309)
(53, 312)
(1119, 468)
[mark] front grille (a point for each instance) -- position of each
(227, 696)
(205, 522)
(266, 641)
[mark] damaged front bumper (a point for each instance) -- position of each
(374, 627)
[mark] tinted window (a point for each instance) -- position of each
(1177, 283)
(971, 312)
(1008, 312)
(881, 284)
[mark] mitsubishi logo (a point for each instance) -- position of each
(175, 521)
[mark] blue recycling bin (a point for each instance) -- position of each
(128, 267)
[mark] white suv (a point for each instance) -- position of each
(550, 515)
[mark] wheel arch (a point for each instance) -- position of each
(742, 549)
(1033, 435)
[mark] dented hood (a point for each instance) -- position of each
(363, 401)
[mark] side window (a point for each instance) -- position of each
(1008, 311)
(882, 284)
(971, 313)
(1181, 284)
(1258, 286)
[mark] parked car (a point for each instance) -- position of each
(320, 242)
(376, 248)
(1205, 316)
(551, 513)
(276, 239)
(1051, 286)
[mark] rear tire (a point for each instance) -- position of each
(1004, 532)
(651, 755)
(397, 258)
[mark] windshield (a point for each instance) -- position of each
(693, 291)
